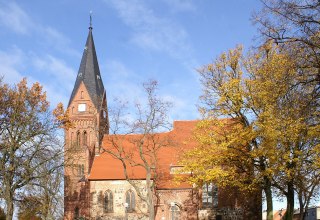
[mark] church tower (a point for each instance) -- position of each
(88, 113)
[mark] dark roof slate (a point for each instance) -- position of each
(89, 74)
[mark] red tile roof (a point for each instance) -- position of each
(107, 167)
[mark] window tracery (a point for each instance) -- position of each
(130, 200)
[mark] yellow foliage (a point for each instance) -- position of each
(62, 117)
(272, 128)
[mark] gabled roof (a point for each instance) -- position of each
(106, 167)
(89, 74)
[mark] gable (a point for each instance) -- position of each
(81, 97)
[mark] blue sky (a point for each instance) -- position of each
(136, 40)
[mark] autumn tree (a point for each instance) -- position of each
(268, 138)
(227, 147)
(28, 141)
(294, 26)
(151, 118)
(289, 120)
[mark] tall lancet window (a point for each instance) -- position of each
(130, 201)
(175, 212)
(78, 139)
(209, 196)
(108, 201)
(76, 213)
(85, 138)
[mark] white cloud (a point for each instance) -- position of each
(122, 80)
(57, 40)
(55, 95)
(56, 77)
(54, 74)
(152, 31)
(13, 65)
(56, 69)
(117, 69)
(10, 63)
(126, 85)
(182, 107)
(14, 18)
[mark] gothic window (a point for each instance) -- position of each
(78, 139)
(130, 201)
(85, 138)
(81, 96)
(175, 212)
(76, 213)
(215, 196)
(80, 170)
(209, 196)
(108, 201)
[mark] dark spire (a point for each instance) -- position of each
(89, 73)
(90, 27)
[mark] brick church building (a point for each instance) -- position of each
(95, 184)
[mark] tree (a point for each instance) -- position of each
(289, 119)
(228, 148)
(48, 191)
(29, 208)
(28, 140)
(2, 214)
(294, 25)
(266, 121)
(140, 150)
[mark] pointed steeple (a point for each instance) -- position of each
(89, 73)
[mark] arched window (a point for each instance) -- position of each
(80, 169)
(85, 138)
(78, 139)
(108, 201)
(209, 195)
(76, 213)
(130, 201)
(174, 212)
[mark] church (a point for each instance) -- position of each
(96, 186)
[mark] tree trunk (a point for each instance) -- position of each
(150, 195)
(290, 202)
(9, 192)
(301, 205)
(9, 203)
(268, 192)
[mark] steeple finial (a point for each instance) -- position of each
(89, 72)
(90, 27)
